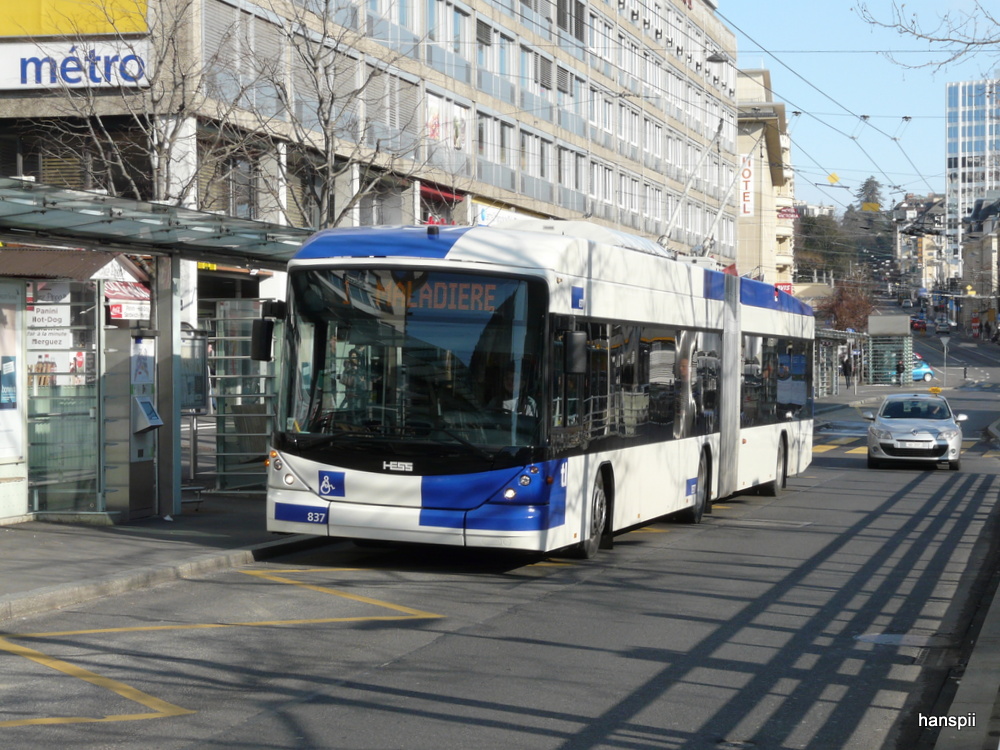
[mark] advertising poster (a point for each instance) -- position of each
(143, 352)
(12, 403)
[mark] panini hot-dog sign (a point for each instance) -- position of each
(51, 44)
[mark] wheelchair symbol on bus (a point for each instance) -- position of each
(331, 484)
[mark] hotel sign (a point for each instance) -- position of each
(746, 185)
(74, 44)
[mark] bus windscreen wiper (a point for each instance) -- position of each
(308, 440)
(481, 452)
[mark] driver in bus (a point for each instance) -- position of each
(509, 401)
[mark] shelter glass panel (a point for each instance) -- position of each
(63, 441)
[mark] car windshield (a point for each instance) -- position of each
(915, 409)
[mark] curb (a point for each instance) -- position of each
(66, 595)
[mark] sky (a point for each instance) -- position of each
(829, 64)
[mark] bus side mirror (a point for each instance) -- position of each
(576, 353)
(260, 339)
(274, 308)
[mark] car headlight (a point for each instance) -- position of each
(881, 434)
(948, 434)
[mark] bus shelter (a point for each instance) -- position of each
(832, 347)
(98, 365)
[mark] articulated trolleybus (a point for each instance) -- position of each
(537, 387)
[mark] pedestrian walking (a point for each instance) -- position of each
(899, 370)
(847, 367)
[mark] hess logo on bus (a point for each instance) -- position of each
(397, 466)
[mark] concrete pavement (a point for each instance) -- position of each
(46, 566)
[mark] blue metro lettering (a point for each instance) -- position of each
(91, 68)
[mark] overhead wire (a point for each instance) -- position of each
(863, 120)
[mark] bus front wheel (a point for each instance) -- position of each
(598, 521)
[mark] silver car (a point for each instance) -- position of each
(914, 427)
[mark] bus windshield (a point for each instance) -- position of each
(417, 367)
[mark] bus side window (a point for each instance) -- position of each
(567, 389)
(598, 383)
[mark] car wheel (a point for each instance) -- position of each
(955, 465)
(927, 377)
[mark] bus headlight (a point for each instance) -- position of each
(525, 480)
(509, 494)
(288, 479)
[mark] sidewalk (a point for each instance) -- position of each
(47, 566)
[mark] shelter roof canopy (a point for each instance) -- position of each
(30, 211)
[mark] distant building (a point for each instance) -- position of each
(766, 193)
(918, 223)
(981, 256)
(973, 157)
(813, 211)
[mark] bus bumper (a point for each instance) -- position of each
(515, 527)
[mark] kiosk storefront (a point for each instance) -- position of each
(91, 370)
(61, 418)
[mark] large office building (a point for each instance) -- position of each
(320, 112)
(973, 157)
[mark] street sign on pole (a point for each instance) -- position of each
(944, 342)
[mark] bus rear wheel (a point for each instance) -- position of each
(773, 489)
(587, 549)
(702, 500)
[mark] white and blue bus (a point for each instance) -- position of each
(540, 386)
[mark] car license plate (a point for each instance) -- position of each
(906, 444)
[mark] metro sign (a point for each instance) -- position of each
(74, 65)
(74, 44)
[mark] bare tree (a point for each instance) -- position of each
(350, 115)
(135, 138)
(952, 35)
(294, 113)
(347, 122)
(850, 304)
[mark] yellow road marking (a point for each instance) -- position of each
(342, 594)
(823, 448)
(160, 708)
(862, 449)
(844, 440)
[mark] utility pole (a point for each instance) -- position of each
(665, 237)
